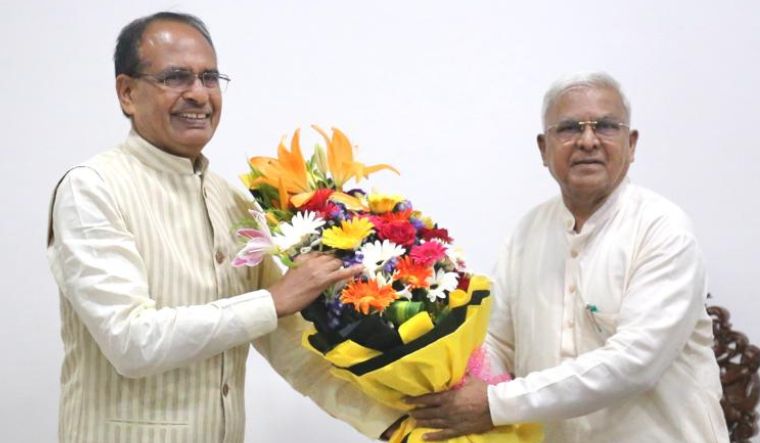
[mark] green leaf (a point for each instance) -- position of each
(403, 310)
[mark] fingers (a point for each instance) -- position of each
(427, 413)
(346, 273)
(444, 434)
(428, 400)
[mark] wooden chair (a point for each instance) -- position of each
(739, 362)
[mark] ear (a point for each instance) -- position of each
(125, 89)
(541, 141)
(633, 138)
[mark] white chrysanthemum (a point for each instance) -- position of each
(376, 255)
(301, 227)
(440, 283)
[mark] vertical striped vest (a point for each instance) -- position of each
(181, 219)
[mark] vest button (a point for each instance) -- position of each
(219, 257)
(225, 389)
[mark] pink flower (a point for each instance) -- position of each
(428, 253)
(259, 245)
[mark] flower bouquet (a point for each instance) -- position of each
(410, 323)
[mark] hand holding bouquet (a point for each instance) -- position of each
(405, 327)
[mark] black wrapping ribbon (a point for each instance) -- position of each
(374, 333)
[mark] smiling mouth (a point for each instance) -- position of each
(193, 116)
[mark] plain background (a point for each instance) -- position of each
(448, 92)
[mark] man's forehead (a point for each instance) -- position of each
(582, 99)
(175, 44)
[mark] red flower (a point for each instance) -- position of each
(464, 281)
(389, 217)
(428, 234)
(428, 253)
(318, 201)
(399, 232)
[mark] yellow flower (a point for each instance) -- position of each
(340, 159)
(382, 203)
(349, 235)
(426, 221)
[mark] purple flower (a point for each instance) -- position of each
(356, 192)
(353, 259)
(390, 265)
(417, 223)
(403, 206)
(334, 309)
(338, 213)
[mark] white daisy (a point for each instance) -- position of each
(441, 283)
(376, 255)
(301, 227)
(386, 280)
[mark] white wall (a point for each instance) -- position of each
(449, 92)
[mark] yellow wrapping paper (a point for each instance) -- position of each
(432, 359)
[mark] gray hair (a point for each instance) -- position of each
(583, 79)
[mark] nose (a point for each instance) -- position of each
(587, 139)
(197, 92)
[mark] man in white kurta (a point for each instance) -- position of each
(156, 323)
(606, 328)
(598, 298)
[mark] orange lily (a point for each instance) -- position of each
(287, 172)
(340, 159)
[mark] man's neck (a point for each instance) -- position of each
(583, 208)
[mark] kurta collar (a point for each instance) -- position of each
(600, 216)
(160, 160)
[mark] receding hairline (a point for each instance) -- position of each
(151, 27)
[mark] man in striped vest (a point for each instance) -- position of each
(156, 323)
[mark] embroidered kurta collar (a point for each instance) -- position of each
(155, 158)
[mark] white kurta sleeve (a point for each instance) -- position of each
(500, 340)
(309, 374)
(662, 303)
(101, 273)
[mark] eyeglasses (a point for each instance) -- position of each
(570, 130)
(183, 79)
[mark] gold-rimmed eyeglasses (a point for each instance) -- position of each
(570, 130)
(182, 79)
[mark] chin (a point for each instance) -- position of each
(193, 144)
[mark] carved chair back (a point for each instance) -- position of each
(739, 362)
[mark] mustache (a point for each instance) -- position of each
(587, 160)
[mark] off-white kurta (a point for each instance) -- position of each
(156, 323)
(606, 329)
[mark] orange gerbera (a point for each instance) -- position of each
(413, 274)
(368, 295)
